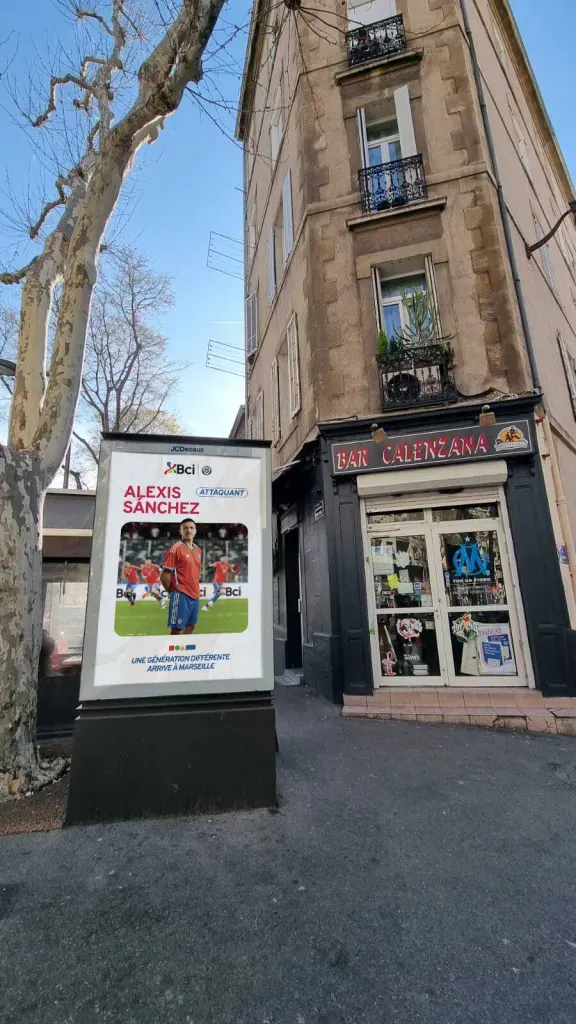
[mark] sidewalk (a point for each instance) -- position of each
(415, 874)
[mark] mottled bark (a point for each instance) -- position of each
(20, 616)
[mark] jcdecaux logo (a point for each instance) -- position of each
(221, 492)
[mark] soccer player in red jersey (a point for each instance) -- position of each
(150, 572)
(221, 569)
(180, 576)
(131, 577)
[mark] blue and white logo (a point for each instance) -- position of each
(206, 470)
(221, 492)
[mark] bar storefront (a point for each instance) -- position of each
(444, 568)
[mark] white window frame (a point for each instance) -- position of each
(287, 217)
(258, 420)
(276, 129)
(398, 300)
(569, 363)
(275, 380)
(272, 266)
(294, 389)
(521, 144)
(544, 252)
(251, 329)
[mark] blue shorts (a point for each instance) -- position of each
(183, 610)
(217, 588)
(129, 587)
(154, 588)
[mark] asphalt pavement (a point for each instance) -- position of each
(416, 874)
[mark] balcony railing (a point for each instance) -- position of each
(417, 375)
(397, 183)
(380, 39)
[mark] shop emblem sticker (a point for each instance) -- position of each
(471, 560)
(409, 628)
(510, 439)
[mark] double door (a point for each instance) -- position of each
(441, 596)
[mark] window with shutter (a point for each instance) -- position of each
(276, 124)
(275, 400)
(544, 252)
(258, 427)
(251, 326)
(293, 367)
(404, 119)
(569, 369)
(287, 218)
(271, 265)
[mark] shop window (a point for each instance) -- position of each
(412, 515)
(441, 595)
(65, 590)
(452, 513)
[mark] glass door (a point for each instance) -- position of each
(403, 595)
(479, 620)
(441, 597)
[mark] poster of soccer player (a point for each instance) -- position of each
(169, 573)
(180, 580)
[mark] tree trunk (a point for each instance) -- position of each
(20, 617)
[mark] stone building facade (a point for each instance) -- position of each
(398, 161)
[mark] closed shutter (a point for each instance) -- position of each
(377, 291)
(293, 366)
(271, 266)
(569, 369)
(287, 219)
(275, 401)
(251, 326)
(258, 429)
(432, 294)
(362, 137)
(404, 119)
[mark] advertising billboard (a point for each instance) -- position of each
(180, 591)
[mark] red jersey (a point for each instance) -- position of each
(151, 573)
(131, 574)
(184, 564)
(221, 571)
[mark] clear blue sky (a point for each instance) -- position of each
(189, 183)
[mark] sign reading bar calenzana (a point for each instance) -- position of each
(180, 578)
(402, 451)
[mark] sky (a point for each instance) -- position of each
(190, 183)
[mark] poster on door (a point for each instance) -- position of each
(495, 651)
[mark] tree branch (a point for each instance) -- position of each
(80, 14)
(55, 81)
(88, 447)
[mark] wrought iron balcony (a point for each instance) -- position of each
(397, 183)
(380, 39)
(417, 375)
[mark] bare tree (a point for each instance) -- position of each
(121, 115)
(127, 378)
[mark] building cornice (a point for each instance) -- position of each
(366, 220)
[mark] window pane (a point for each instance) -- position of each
(408, 645)
(472, 568)
(450, 513)
(412, 515)
(63, 623)
(394, 151)
(381, 130)
(400, 571)
(392, 319)
(482, 644)
(375, 155)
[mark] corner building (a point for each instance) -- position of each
(398, 161)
